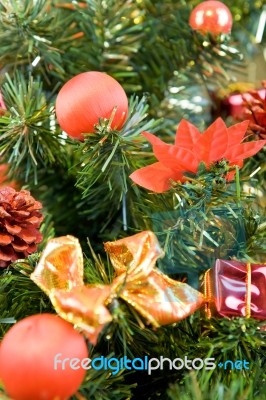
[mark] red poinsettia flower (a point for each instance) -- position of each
(190, 149)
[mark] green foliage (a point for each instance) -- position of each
(19, 296)
(238, 388)
(108, 155)
(255, 225)
(168, 72)
(223, 339)
(28, 31)
(105, 386)
(132, 41)
(27, 138)
(111, 36)
(200, 221)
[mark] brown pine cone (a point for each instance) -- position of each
(255, 111)
(19, 222)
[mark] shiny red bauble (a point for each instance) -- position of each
(211, 17)
(28, 353)
(86, 98)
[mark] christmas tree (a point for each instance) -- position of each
(132, 197)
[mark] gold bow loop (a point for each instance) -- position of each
(159, 299)
(134, 257)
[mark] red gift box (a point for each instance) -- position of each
(234, 288)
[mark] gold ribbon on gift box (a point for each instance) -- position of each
(159, 299)
(248, 291)
(209, 296)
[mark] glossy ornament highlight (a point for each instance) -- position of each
(211, 17)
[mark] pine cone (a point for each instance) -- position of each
(255, 111)
(19, 222)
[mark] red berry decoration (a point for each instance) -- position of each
(86, 98)
(211, 17)
(28, 354)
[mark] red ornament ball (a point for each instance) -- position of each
(211, 16)
(86, 98)
(28, 367)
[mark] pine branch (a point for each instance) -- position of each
(113, 32)
(28, 32)
(107, 158)
(225, 339)
(28, 139)
(197, 222)
(255, 227)
(238, 388)
(19, 296)
(102, 385)
(35, 35)
(173, 48)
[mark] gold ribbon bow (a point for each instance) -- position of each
(159, 299)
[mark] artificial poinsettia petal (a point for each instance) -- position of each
(213, 143)
(171, 156)
(186, 135)
(152, 138)
(230, 176)
(176, 158)
(243, 150)
(156, 177)
(236, 133)
(238, 163)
